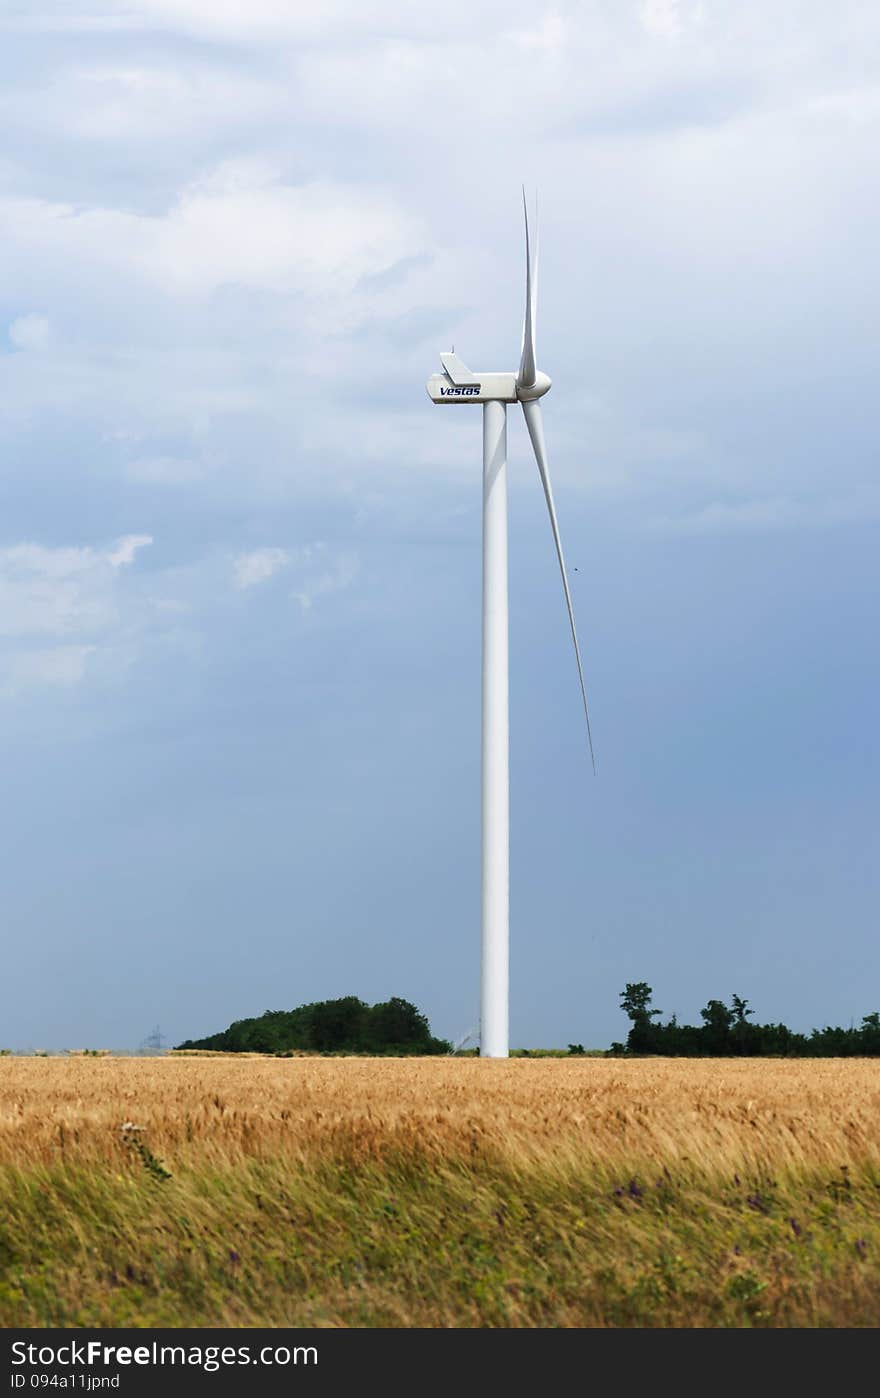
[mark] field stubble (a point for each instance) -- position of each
(383, 1192)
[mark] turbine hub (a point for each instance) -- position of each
(535, 390)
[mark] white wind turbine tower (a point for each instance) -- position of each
(457, 384)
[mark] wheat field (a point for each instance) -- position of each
(392, 1192)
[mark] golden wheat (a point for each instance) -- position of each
(717, 1114)
(308, 1191)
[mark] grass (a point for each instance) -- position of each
(352, 1192)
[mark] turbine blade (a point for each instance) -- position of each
(534, 422)
(528, 365)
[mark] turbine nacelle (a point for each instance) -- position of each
(466, 387)
(457, 384)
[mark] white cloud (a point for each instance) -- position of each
(30, 332)
(318, 570)
(258, 566)
(124, 550)
(280, 258)
(69, 593)
(242, 225)
(322, 573)
(135, 102)
(69, 615)
(548, 36)
(57, 667)
(87, 615)
(662, 17)
(256, 21)
(53, 591)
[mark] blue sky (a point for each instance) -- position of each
(240, 551)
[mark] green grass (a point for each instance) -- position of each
(476, 1240)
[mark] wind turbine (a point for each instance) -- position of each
(457, 384)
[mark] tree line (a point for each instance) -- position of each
(729, 1030)
(348, 1025)
(396, 1027)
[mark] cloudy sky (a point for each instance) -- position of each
(240, 551)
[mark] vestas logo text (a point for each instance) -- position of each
(470, 390)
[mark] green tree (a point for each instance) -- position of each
(717, 1024)
(337, 1024)
(398, 1023)
(346, 1025)
(727, 1031)
(635, 999)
